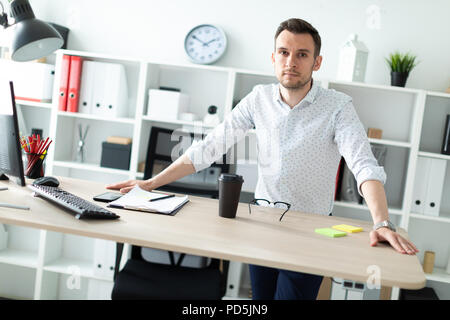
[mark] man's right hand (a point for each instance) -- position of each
(126, 186)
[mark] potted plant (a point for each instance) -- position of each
(400, 65)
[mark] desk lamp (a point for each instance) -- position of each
(32, 38)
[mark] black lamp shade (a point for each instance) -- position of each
(32, 38)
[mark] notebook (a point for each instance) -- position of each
(138, 199)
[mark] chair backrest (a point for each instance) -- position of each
(140, 279)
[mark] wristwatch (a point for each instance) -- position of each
(385, 223)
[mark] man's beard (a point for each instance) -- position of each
(301, 83)
(297, 85)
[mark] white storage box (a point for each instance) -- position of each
(33, 81)
(166, 105)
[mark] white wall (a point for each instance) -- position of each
(155, 29)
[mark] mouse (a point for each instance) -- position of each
(46, 181)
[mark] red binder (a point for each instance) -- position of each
(73, 96)
(64, 83)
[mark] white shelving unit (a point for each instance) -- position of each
(39, 267)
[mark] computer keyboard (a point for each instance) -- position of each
(79, 207)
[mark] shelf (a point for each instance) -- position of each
(354, 205)
(19, 258)
(390, 143)
(373, 86)
(95, 117)
(66, 266)
(438, 94)
(434, 155)
(197, 123)
(46, 105)
(438, 274)
(432, 218)
(89, 166)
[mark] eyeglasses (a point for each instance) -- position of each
(277, 204)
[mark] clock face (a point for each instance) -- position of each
(205, 44)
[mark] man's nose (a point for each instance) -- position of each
(291, 62)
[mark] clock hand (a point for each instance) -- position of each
(215, 39)
(194, 37)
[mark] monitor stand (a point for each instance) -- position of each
(3, 176)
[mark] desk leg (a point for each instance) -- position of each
(119, 251)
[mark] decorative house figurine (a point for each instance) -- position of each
(353, 60)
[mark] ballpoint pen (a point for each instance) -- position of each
(162, 198)
(14, 206)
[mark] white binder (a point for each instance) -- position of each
(116, 91)
(428, 186)
(435, 186)
(234, 279)
(109, 90)
(87, 87)
(420, 185)
(99, 257)
(98, 88)
(104, 258)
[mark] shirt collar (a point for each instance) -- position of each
(310, 96)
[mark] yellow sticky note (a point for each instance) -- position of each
(347, 228)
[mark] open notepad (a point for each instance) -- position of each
(138, 199)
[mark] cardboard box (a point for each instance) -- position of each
(375, 133)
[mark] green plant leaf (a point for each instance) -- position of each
(399, 62)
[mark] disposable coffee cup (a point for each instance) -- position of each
(229, 191)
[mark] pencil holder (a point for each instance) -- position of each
(35, 165)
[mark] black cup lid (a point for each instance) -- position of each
(228, 177)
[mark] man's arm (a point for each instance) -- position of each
(375, 197)
(177, 170)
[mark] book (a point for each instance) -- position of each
(138, 199)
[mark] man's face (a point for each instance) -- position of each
(294, 60)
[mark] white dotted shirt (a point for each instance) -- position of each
(299, 149)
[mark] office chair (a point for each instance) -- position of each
(142, 280)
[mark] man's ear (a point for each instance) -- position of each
(317, 63)
(273, 58)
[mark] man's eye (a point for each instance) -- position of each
(283, 52)
(303, 55)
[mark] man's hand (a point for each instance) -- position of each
(126, 186)
(399, 243)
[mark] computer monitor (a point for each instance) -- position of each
(10, 153)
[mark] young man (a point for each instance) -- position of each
(302, 132)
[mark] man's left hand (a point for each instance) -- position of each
(399, 243)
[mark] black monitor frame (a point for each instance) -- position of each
(152, 155)
(10, 146)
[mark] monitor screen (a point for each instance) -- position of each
(10, 153)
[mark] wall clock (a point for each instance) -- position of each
(205, 44)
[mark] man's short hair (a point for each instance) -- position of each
(297, 26)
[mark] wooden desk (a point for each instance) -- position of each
(259, 238)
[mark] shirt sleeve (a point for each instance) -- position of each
(235, 126)
(354, 146)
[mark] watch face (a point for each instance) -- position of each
(205, 44)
